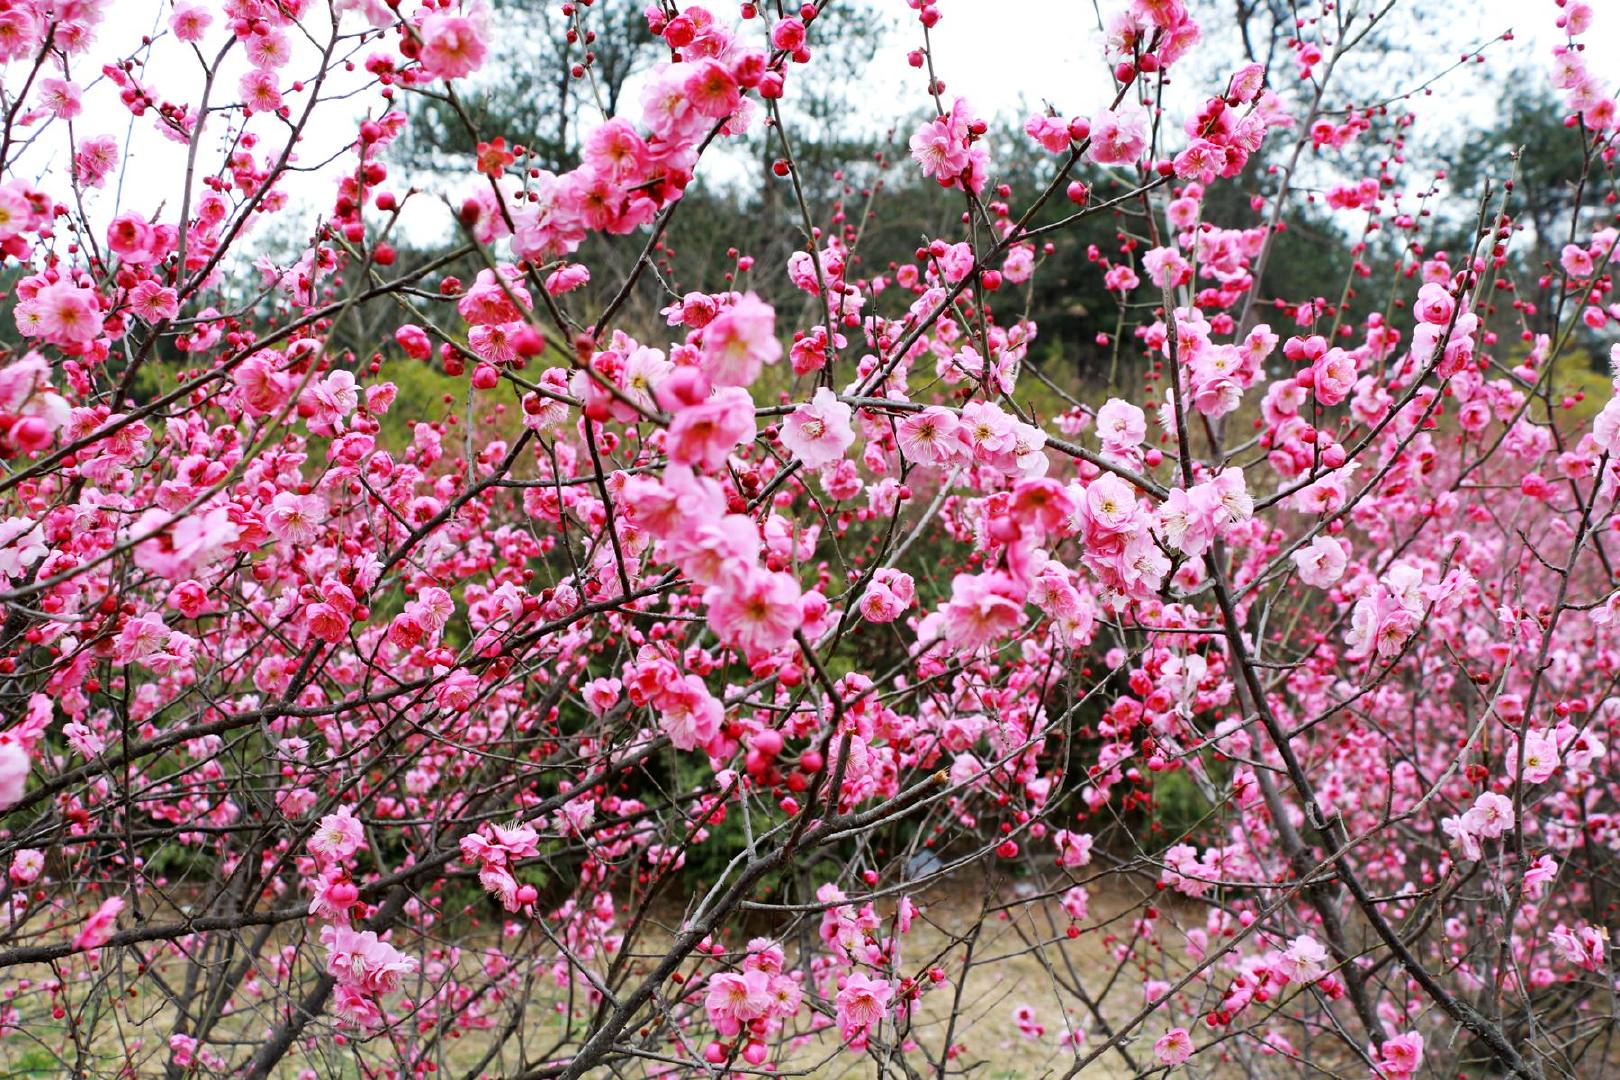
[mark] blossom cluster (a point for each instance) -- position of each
(723, 688)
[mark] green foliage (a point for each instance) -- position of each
(1179, 809)
(34, 1061)
(1531, 146)
(423, 388)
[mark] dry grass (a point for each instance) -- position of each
(1002, 971)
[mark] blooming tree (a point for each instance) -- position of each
(755, 691)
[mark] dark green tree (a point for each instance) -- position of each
(529, 95)
(1531, 145)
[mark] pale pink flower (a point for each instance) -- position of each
(181, 1048)
(929, 437)
(740, 341)
(1583, 946)
(1576, 261)
(689, 714)
(1434, 305)
(1173, 1047)
(818, 433)
(1117, 138)
(1321, 563)
(68, 314)
(14, 768)
(96, 158)
(709, 550)
(704, 434)
(153, 302)
(982, 608)
(1541, 873)
(190, 22)
(338, 836)
(295, 519)
(1541, 758)
(359, 959)
(939, 150)
(1490, 816)
(1305, 960)
(27, 864)
(712, 89)
(61, 98)
(260, 90)
(452, 45)
(261, 386)
(1120, 425)
(1074, 849)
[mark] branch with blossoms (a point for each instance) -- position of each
(733, 693)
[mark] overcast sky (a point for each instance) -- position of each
(986, 50)
(1003, 55)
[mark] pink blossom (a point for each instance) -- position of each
(705, 433)
(1576, 261)
(452, 45)
(1117, 137)
(982, 608)
(295, 519)
(1074, 849)
(712, 90)
(338, 836)
(1321, 563)
(362, 961)
(1434, 305)
(153, 302)
(1540, 874)
(1305, 960)
(739, 342)
(938, 149)
(889, 594)
(68, 314)
(754, 609)
(61, 97)
(818, 433)
(1400, 1057)
(27, 864)
(736, 998)
(1173, 1047)
(190, 22)
(1584, 946)
(688, 714)
(861, 1005)
(1120, 425)
(95, 160)
(928, 437)
(14, 769)
(98, 929)
(1050, 132)
(260, 91)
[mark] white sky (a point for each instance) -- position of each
(1058, 59)
(1005, 56)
